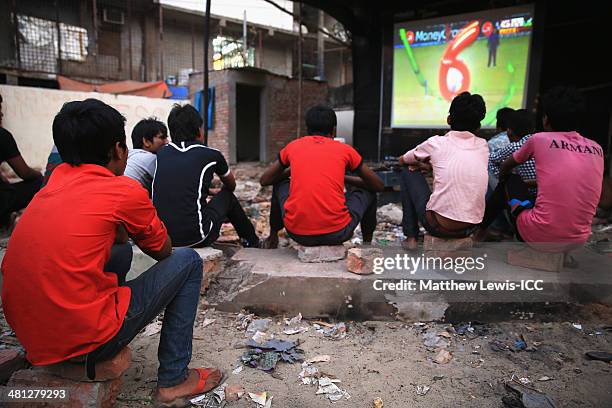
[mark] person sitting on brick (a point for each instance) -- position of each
(569, 173)
(520, 129)
(308, 197)
(459, 162)
(185, 169)
(15, 196)
(148, 136)
(64, 291)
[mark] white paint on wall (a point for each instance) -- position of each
(29, 113)
(344, 129)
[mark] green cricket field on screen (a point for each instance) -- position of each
(485, 53)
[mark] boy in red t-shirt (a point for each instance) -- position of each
(64, 291)
(312, 204)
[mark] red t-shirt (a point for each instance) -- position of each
(56, 295)
(316, 203)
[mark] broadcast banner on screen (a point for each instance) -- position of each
(434, 60)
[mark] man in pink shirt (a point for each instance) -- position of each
(569, 173)
(459, 163)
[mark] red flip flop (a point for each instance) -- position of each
(203, 386)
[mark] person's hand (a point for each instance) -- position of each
(213, 191)
(423, 167)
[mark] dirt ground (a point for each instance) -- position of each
(389, 360)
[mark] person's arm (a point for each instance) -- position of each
(366, 179)
(164, 252)
(21, 168)
(506, 167)
(275, 173)
(229, 181)
(122, 236)
(519, 157)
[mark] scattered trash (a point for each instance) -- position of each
(599, 355)
(262, 399)
(577, 326)
(524, 380)
(433, 340)
(260, 325)
(295, 325)
(335, 332)
(261, 337)
(422, 389)
(208, 322)
(309, 374)
(498, 345)
(377, 403)
(233, 392)
(545, 378)
(438, 377)
(238, 369)
(212, 399)
(474, 329)
(265, 356)
(322, 358)
(443, 357)
(328, 387)
(523, 396)
(519, 345)
(153, 328)
(244, 319)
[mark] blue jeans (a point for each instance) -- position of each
(172, 285)
(415, 193)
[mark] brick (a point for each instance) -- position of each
(361, 260)
(101, 394)
(530, 258)
(11, 360)
(431, 243)
(213, 260)
(105, 370)
(327, 253)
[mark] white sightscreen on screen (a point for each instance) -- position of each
(434, 60)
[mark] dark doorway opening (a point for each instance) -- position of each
(248, 112)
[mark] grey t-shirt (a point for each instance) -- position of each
(141, 167)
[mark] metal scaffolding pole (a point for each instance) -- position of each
(206, 95)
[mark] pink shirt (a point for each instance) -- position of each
(459, 161)
(569, 172)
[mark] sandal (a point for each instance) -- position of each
(201, 387)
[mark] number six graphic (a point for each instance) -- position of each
(449, 60)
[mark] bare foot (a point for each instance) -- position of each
(189, 387)
(271, 242)
(410, 243)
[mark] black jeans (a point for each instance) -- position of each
(222, 206)
(14, 197)
(511, 188)
(415, 194)
(361, 205)
(171, 285)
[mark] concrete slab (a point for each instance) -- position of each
(276, 282)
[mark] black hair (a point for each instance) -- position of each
(564, 107)
(502, 116)
(521, 122)
(87, 131)
(184, 123)
(466, 112)
(320, 120)
(147, 129)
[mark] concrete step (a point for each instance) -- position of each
(277, 282)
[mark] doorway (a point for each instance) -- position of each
(248, 116)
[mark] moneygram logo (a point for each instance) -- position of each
(412, 264)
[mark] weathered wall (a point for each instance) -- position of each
(29, 112)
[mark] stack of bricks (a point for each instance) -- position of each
(81, 392)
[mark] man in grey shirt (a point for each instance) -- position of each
(148, 136)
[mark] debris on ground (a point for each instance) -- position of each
(243, 320)
(262, 399)
(153, 328)
(265, 356)
(208, 322)
(577, 326)
(498, 345)
(335, 332)
(233, 392)
(422, 389)
(545, 378)
(443, 357)
(259, 325)
(433, 340)
(213, 399)
(328, 387)
(377, 403)
(295, 325)
(471, 329)
(322, 358)
(524, 396)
